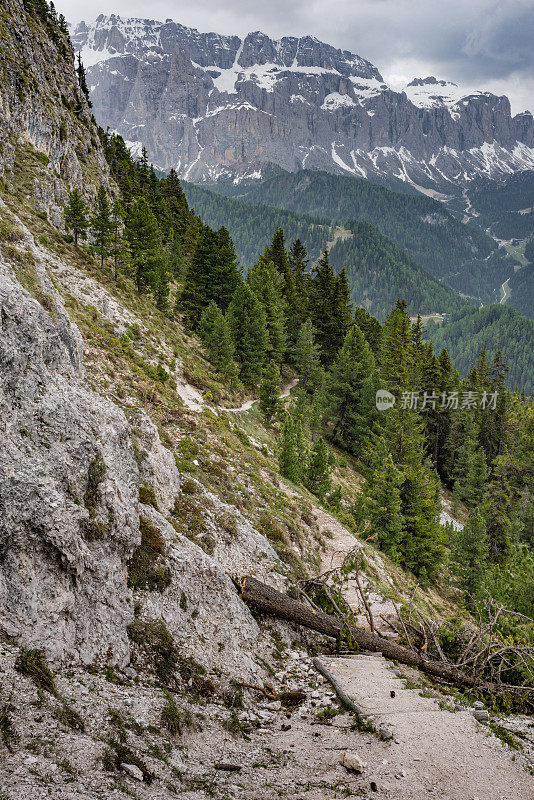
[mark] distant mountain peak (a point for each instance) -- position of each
(217, 106)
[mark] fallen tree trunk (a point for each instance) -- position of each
(345, 700)
(267, 600)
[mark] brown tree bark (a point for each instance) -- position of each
(267, 600)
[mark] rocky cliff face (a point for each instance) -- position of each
(41, 104)
(215, 106)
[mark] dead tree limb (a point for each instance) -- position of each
(267, 600)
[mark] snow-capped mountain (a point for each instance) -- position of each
(214, 106)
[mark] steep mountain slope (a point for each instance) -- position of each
(504, 207)
(378, 271)
(214, 105)
(461, 256)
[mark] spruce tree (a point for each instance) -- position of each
(307, 359)
(223, 350)
(206, 327)
(469, 555)
(117, 243)
(317, 477)
(249, 332)
(265, 282)
(143, 236)
(101, 226)
(351, 392)
(269, 392)
(383, 507)
(287, 454)
(82, 80)
(75, 215)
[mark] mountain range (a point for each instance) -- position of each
(216, 106)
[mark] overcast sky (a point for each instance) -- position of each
(484, 44)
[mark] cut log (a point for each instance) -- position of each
(267, 600)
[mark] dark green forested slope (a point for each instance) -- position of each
(522, 284)
(501, 206)
(462, 255)
(378, 271)
(252, 228)
(494, 328)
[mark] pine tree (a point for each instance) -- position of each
(269, 392)
(75, 215)
(307, 359)
(101, 226)
(287, 455)
(322, 305)
(351, 391)
(249, 332)
(82, 80)
(143, 236)
(265, 282)
(118, 248)
(317, 478)
(469, 555)
(383, 507)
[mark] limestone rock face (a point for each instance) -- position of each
(41, 105)
(217, 106)
(157, 468)
(201, 607)
(68, 488)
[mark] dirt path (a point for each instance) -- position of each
(434, 752)
(286, 389)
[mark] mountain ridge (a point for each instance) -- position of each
(214, 106)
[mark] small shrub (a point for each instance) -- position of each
(95, 476)
(155, 641)
(7, 731)
(147, 496)
(68, 715)
(32, 664)
(189, 486)
(233, 724)
(175, 719)
(118, 753)
(146, 568)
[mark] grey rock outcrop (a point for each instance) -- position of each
(217, 106)
(68, 487)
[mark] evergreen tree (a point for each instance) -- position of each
(307, 359)
(317, 477)
(249, 332)
(101, 226)
(287, 454)
(143, 236)
(82, 80)
(75, 215)
(269, 392)
(329, 308)
(382, 505)
(469, 555)
(206, 327)
(265, 282)
(351, 389)
(117, 244)
(223, 350)
(196, 291)
(476, 478)
(276, 252)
